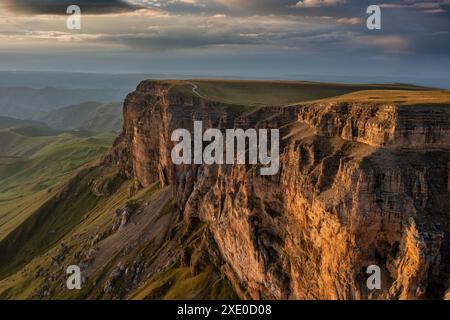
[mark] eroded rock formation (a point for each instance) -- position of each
(359, 185)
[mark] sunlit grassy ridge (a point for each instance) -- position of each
(276, 93)
(398, 97)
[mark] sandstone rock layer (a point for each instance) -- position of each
(359, 184)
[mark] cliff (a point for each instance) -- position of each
(359, 184)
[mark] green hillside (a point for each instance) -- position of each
(53, 195)
(7, 122)
(32, 166)
(89, 116)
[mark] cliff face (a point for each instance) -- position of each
(359, 185)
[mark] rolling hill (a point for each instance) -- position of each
(32, 163)
(33, 103)
(88, 116)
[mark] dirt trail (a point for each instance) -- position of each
(194, 90)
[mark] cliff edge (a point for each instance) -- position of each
(362, 182)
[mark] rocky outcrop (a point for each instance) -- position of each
(359, 185)
(415, 127)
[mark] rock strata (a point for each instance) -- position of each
(359, 185)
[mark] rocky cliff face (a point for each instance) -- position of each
(359, 185)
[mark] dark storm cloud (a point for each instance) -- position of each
(413, 20)
(426, 24)
(335, 8)
(191, 38)
(183, 42)
(317, 29)
(59, 7)
(257, 7)
(301, 8)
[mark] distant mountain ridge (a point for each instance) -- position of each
(8, 122)
(90, 116)
(32, 103)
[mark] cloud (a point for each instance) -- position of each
(393, 44)
(437, 10)
(186, 40)
(62, 36)
(318, 3)
(202, 24)
(254, 6)
(350, 21)
(193, 32)
(427, 6)
(59, 7)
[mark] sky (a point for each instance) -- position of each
(243, 38)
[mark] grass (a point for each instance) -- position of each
(47, 225)
(275, 93)
(71, 220)
(178, 283)
(31, 169)
(35, 131)
(35, 165)
(398, 97)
